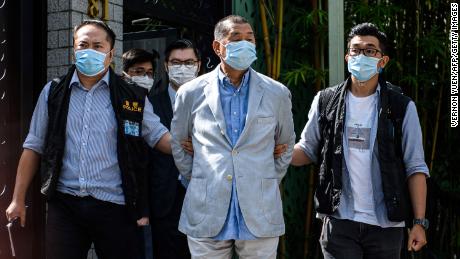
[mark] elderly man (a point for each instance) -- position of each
(235, 116)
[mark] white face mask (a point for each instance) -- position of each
(181, 74)
(142, 81)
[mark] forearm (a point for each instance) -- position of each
(27, 168)
(299, 158)
(417, 191)
(164, 144)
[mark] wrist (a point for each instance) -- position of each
(422, 222)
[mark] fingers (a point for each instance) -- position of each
(417, 246)
(280, 150)
(417, 239)
(16, 211)
(143, 222)
(187, 146)
(23, 220)
(410, 240)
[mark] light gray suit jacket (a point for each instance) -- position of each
(198, 113)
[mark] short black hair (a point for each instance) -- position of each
(110, 34)
(369, 29)
(223, 27)
(181, 44)
(134, 56)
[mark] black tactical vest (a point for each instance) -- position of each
(128, 105)
(393, 106)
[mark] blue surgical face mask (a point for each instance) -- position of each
(363, 67)
(240, 54)
(90, 62)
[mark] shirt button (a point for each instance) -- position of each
(229, 177)
(84, 143)
(86, 126)
(234, 152)
(234, 113)
(222, 132)
(235, 131)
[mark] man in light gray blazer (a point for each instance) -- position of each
(235, 117)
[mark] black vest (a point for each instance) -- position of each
(393, 106)
(128, 105)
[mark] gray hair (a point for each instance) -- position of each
(224, 26)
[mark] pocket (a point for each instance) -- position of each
(265, 120)
(196, 197)
(271, 201)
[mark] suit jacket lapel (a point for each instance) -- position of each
(256, 91)
(211, 92)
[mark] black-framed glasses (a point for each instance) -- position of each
(369, 52)
(139, 71)
(189, 63)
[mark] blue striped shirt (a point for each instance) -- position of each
(234, 103)
(90, 164)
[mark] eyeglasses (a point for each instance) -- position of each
(369, 52)
(138, 71)
(189, 63)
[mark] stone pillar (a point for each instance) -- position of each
(336, 42)
(63, 16)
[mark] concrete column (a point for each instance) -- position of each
(63, 16)
(336, 42)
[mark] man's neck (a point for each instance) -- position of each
(89, 81)
(235, 76)
(363, 89)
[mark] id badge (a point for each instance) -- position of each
(132, 128)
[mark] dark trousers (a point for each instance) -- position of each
(168, 241)
(74, 223)
(346, 239)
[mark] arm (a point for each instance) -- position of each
(30, 158)
(417, 190)
(164, 144)
(299, 158)
(285, 133)
(305, 150)
(154, 133)
(28, 166)
(181, 129)
(416, 171)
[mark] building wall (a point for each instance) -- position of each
(63, 16)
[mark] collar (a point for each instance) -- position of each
(103, 82)
(225, 81)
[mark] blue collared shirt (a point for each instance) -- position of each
(413, 157)
(90, 163)
(234, 103)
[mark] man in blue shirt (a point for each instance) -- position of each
(88, 130)
(235, 117)
(367, 139)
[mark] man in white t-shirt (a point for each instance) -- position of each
(366, 137)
